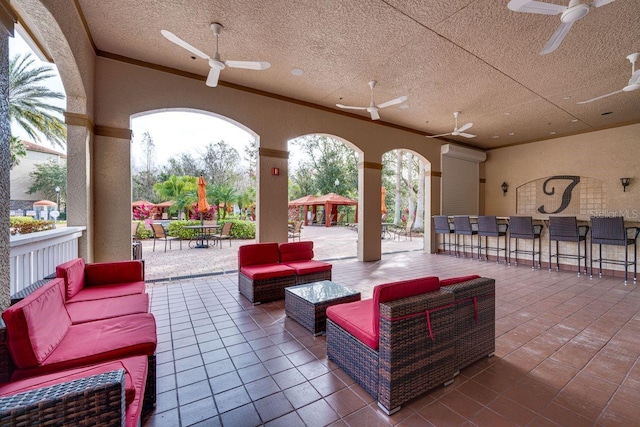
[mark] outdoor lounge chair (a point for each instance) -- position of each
(159, 233)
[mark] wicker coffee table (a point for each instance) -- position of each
(307, 304)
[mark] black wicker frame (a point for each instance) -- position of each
(259, 291)
(301, 279)
(566, 229)
(522, 227)
(612, 231)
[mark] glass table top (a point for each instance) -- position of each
(321, 291)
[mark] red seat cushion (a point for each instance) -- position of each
(37, 325)
(99, 341)
(454, 280)
(357, 319)
(106, 273)
(269, 271)
(398, 290)
(257, 254)
(296, 251)
(309, 267)
(73, 274)
(90, 293)
(88, 311)
(135, 375)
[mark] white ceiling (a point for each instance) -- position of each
(477, 57)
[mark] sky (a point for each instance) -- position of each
(173, 133)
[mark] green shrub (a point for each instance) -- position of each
(142, 232)
(176, 229)
(242, 229)
(26, 225)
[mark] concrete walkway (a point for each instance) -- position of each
(329, 244)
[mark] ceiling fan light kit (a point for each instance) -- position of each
(372, 109)
(215, 63)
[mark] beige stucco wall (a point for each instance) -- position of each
(124, 90)
(607, 155)
(20, 174)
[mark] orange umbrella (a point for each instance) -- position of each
(203, 205)
(383, 205)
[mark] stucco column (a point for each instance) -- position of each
(7, 20)
(111, 162)
(79, 194)
(369, 213)
(272, 195)
(434, 181)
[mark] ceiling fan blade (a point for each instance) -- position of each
(598, 97)
(538, 7)
(635, 78)
(374, 113)
(435, 136)
(464, 127)
(212, 78)
(248, 65)
(351, 107)
(183, 44)
(393, 102)
(598, 3)
(466, 135)
(556, 38)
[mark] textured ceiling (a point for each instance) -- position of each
(477, 57)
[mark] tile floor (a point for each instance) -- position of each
(567, 354)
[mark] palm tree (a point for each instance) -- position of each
(181, 189)
(29, 101)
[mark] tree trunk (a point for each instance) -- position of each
(420, 205)
(396, 216)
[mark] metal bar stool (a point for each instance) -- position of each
(488, 226)
(463, 227)
(522, 227)
(444, 227)
(566, 229)
(611, 231)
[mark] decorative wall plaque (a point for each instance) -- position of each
(560, 194)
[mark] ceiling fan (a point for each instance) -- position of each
(634, 81)
(215, 63)
(457, 131)
(569, 15)
(373, 108)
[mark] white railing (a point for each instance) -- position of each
(34, 256)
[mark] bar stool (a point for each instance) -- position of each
(566, 229)
(522, 227)
(488, 227)
(611, 231)
(463, 227)
(444, 227)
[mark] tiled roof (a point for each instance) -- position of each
(30, 146)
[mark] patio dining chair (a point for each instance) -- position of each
(159, 233)
(225, 234)
(296, 231)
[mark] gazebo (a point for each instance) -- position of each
(330, 201)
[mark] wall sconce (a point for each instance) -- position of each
(504, 187)
(625, 182)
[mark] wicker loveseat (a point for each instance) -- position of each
(72, 358)
(413, 335)
(265, 269)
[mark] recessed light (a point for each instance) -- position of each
(607, 113)
(495, 136)
(297, 72)
(574, 120)
(567, 97)
(507, 114)
(511, 133)
(404, 106)
(553, 132)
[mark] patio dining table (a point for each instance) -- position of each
(204, 232)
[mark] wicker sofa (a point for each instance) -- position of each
(79, 349)
(265, 269)
(413, 335)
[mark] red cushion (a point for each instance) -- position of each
(88, 311)
(259, 253)
(309, 267)
(106, 273)
(398, 290)
(269, 271)
(135, 367)
(99, 341)
(108, 291)
(296, 251)
(454, 280)
(357, 319)
(37, 325)
(73, 274)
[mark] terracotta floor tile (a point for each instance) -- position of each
(441, 415)
(317, 414)
(345, 402)
(273, 406)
